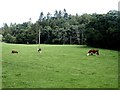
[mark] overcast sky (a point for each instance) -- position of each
(19, 11)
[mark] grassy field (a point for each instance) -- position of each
(58, 66)
(0, 64)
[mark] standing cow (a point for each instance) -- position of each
(39, 50)
(93, 52)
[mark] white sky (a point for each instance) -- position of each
(19, 11)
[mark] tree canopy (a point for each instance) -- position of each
(97, 30)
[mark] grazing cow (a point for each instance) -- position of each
(39, 50)
(13, 51)
(93, 52)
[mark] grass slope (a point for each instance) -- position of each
(58, 66)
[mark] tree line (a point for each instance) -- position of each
(97, 30)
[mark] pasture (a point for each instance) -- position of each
(58, 66)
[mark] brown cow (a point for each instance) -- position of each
(13, 51)
(93, 52)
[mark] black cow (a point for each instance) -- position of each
(13, 51)
(40, 50)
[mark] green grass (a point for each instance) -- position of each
(58, 66)
(0, 64)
